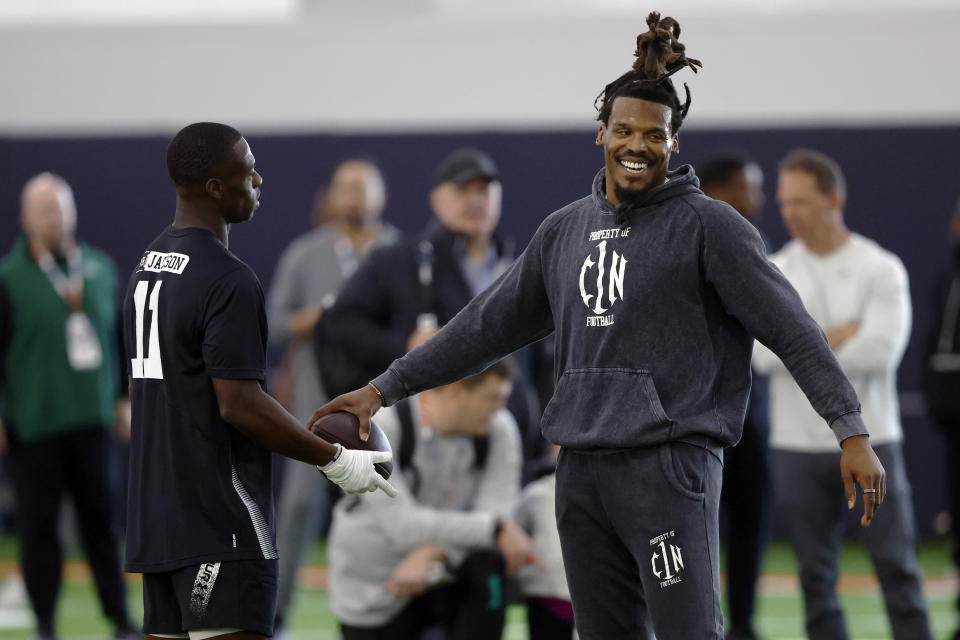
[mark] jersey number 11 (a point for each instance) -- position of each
(150, 366)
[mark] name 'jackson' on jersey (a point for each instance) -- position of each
(199, 490)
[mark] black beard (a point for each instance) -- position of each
(629, 196)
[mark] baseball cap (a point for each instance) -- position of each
(464, 165)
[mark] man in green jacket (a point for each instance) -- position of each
(60, 395)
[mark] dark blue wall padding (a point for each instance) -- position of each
(902, 184)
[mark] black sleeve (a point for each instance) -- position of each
(5, 328)
(234, 325)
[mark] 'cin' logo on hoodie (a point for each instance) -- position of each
(601, 278)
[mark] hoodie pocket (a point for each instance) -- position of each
(605, 408)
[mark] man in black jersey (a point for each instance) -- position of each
(200, 510)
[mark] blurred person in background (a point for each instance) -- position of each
(858, 293)
(745, 498)
(438, 553)
(61, 393)
(544, 584)
(402, 293)
(308, 275)
(942, 380)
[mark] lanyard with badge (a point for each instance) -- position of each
(83, 348)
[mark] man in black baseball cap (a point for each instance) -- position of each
(466, 200)
(466, 164)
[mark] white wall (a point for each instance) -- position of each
(336, 70)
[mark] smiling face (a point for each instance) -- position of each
(637, 144)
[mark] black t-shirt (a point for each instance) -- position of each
(199, 490)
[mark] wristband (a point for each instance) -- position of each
(336, 455)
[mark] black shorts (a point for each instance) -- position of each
(239, 594)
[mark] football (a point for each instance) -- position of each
(344, 427)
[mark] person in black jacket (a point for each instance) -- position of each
(402, 293)
(943, 375)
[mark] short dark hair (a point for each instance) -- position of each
(719, 168)
(503, 369)
(824, 169)
(198, 150)
(659, 55)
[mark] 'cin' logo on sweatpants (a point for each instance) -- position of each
(666, 561)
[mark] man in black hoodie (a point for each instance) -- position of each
(655, 293)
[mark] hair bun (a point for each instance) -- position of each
(659, 52)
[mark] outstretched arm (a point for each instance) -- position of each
(514, 311)
(757, 293)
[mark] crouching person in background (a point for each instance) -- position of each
(544, 586)
(437, 554)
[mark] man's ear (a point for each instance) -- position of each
(836, 200)
(214, 188)
(600, 134)
(676, 144)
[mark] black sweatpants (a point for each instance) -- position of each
(640, 538)
(473, 607)
(76, 463)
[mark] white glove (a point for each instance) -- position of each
(353, 471)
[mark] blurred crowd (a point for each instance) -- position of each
(353, 293)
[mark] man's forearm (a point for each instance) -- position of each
(262, 419)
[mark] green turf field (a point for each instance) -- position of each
(780, 609)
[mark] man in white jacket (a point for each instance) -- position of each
(859, 294)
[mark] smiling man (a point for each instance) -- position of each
(654, 292)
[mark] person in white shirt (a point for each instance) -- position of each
(858, 292)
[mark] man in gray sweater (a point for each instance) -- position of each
(655, 293)
(308, 277)
(438, 553)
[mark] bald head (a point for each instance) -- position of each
(48, 214)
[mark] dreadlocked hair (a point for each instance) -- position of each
(659, 55)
